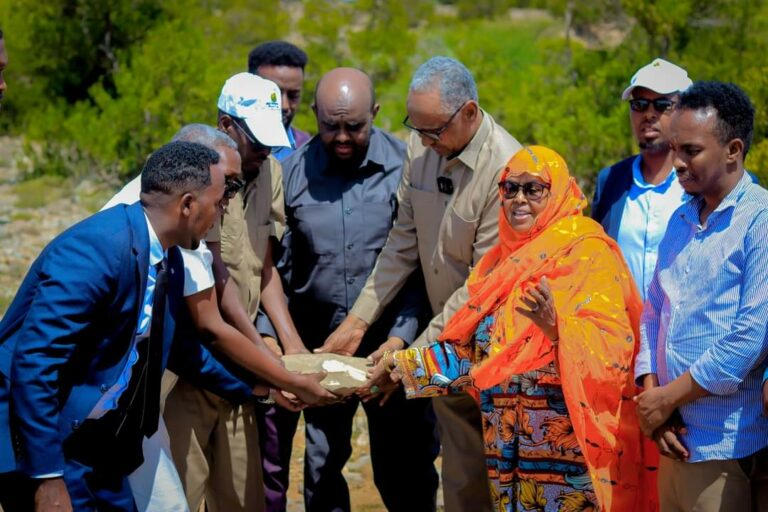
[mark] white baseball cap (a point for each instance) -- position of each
(256, 101)
(660, 76)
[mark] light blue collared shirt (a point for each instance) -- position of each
(283, 152)
(109, 399)
(644, 222)
(707, 312)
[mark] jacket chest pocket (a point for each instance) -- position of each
(232, 233)
(427, 211)
(458, 237)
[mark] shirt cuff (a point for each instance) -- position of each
(365, 310)
(264, 326)
(198, 269)
(712, 378)
(643, 366)
(55, 474)
(405, 329)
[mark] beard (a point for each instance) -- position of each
(654, 147)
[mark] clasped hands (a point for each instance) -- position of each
(660, 419)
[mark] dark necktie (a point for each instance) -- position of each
(155, 353)
(140, 403)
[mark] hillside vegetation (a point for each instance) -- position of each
(97, 84)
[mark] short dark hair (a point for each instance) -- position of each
(1, 33)
(735, 112)
(178, 167)
(276, 53)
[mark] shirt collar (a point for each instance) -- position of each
(471, 153)
(375, 154)
(156, 252)
(639, 180)
(291, 138)
(734, 195)
(693, 207)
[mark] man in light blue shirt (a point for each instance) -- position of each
(635, 197)
(704, 334)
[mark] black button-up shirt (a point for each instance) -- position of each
(336, 224)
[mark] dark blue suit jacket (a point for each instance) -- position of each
(66, 337)
(613, 184)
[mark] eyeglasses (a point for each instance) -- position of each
(531, 190)
(232, 186)
(255, 144)
(660, 105)
(433, 134)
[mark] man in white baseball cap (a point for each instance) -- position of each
(660, 76)
(215, 442)
(635, 197)
(256, 101)
(251, 113)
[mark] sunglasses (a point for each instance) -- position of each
(433, 134)
(531, 190)
(660, 105)
(232, 186)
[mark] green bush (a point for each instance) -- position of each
(96, 85)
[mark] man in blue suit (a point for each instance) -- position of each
(93, 325)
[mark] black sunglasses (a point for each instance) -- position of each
(435, 133)
(531, 190)
(232, 186)
(660, 105)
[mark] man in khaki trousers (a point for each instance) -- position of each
(447, 219)
(214, 442)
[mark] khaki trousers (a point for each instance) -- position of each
(711, 486)
(215, 447)
(465, 473)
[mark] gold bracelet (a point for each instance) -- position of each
(387, 353)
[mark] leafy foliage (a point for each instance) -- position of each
(97, 84)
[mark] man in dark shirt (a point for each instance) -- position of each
(340, 193)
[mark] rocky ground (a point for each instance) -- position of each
(33, 212)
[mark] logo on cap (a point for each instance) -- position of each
(272, 103)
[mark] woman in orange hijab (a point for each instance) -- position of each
(546, 342)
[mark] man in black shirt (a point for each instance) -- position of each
(340, 193)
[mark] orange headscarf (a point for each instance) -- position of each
(598, 321)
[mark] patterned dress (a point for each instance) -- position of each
(534, 460)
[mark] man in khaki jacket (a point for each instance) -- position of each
(447, 219)
(214, 442)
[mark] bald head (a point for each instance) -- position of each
(345, 85)
(345, 108)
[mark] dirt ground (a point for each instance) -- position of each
(363, 494)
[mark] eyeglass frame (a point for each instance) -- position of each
(521, 187)
(232, 186)
(654, 102)
(437, 132)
